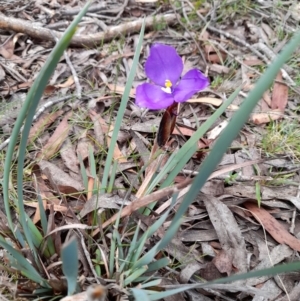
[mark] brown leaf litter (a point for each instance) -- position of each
(224, 232)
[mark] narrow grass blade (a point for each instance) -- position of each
(139, 294)
(26, 114)
(140, 247)
(159, 222)
(125, 265)
(114, 239)
(92, 162)
(43, 291)
(35, 237)
(112, 253)
(112, 178)
(170, 233)
(135, 275)
(69, 256)
(19, 237)
(258, 193)
(278, 269)
(49, 241)
(178, 160)
(120, 249)
(42, 214)
(158, 264)
(121, 111)
(32, 235)
(27, 269)
(149, 256)
(150, 283)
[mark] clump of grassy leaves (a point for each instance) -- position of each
(282, 137)
(131, 265)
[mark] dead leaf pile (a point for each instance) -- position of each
(245, 217)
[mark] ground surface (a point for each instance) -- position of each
(232, 42)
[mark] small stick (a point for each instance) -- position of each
(87, 40)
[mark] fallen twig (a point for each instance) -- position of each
(87, 40)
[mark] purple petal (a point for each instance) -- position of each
(163, 63)
(152, 97)
(192, 82)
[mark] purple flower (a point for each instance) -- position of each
(164, 67)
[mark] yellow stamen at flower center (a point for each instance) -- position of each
(167, 87)
(168, 83)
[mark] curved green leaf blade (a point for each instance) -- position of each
(137, 273)
(121, 111)
(158, 264)
(69, 256)
(27, 269)
(139, 294)
(27, 112)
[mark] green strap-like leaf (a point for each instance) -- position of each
(139, 294)
(69, 257)
(23, 264)
(26, 114)
(121, 111)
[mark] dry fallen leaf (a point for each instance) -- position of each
(7, 49)
(260, 118)
(267, 99)
(228, 232)
(213, 55)
(213, 101)
(120, 90)
(69, 82)
(84, 146)
(220, 69)
(253, 62)
(279, 95)
(69, 157)
(180, 130)
(223, 262)
(43, 122)
(167, 124)
(215, 132)
(18, 87)
(64, 182)
(276, 230)
(57, 208)
(49, 90)
(278, 254)
(57, 139)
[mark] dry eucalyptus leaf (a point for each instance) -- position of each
(228, 232)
